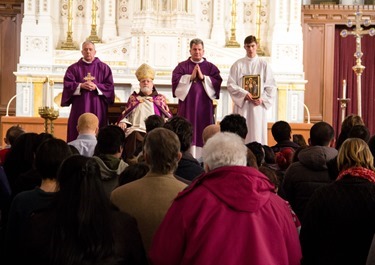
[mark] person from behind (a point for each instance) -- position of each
(20, 159)
(151, 122)
(284, 159)
(311, 172)
(10, 137)
(257, 149)
(299, 139)
(360, 131)
(148, 198)
(234, 123)
(208, 223)
(48, 158)
(188, 167)
(133, 172)
(339, 218)
(281, 132)
(347, 124)
(87, 127)
(82, 226)
(154, 121)
(207, 133)
(108, 151)
(210, 131)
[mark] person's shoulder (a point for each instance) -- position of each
(100, 62)
(184, 62)
(133, 96)
(135, 93)
(207, 61)
(294, 169)
(74, 65)
(262, 61)
(239, 61)
(128, 187)
(124, 217)
(27, 195)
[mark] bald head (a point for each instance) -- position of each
(88, 123)
(210, 131)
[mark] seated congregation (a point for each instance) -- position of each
(86, 202)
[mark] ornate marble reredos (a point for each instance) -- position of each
(158, 32)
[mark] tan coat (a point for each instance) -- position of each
(148, 200)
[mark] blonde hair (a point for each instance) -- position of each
(355, 152)
(87, 121)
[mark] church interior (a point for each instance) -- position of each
(313, 63)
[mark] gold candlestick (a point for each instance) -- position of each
(232, 43)
(93, 37)
(49, 114)
(69, 44)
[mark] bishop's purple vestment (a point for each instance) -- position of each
(94, 101)
(197, 106)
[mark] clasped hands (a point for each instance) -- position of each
(197, 73)
(90, 86)
(256, 102)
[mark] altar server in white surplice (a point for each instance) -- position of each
(252, 107)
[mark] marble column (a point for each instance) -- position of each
(109, 30)
(219, 13)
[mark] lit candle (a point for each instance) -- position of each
(47, 92)
(344, 89)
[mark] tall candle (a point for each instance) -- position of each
(344, 89)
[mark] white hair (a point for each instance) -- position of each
(224, 149)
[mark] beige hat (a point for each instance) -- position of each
(145, 71)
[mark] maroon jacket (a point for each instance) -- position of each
(227, 216)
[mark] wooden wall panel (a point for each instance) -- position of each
(329, 57)
(313, 46)
(10, 31)
(33, 124)
(9, 55)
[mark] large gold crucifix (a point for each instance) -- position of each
(89, 77)
(358, 33)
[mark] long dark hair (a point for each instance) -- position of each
(82, 231)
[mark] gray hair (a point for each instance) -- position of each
(224, 149)
(87, 42)
(196, 41)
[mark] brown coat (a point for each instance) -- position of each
(148, 200)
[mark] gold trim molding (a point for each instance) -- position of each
(336, 14)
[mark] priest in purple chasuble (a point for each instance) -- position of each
(88, 87)
(138, 108)
(196, 83)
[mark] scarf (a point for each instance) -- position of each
(359, 172)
